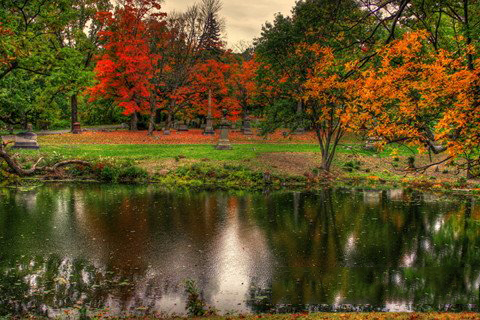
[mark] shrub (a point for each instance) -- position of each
(461, 182)
(352, 165)
(119, 172)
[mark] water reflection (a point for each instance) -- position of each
(130, 249)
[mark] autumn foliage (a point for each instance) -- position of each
(419, 96)
(126, 68)
(405, 92)
(209, 81)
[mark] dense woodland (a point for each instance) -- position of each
(396, 71)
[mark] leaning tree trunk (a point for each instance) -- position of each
(328, 139)
(19, 171)
(74, 109)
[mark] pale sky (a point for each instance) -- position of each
(243, 18)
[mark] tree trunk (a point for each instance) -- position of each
(151, 121)
(300, 129)
(74, 109)
(168, 125)
(328, 140)
(134, 122)
(469, 169)
(19, 171)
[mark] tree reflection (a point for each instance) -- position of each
(131, 248)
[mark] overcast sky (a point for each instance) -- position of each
(243, 18)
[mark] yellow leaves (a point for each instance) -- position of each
(471, 49)
(411, 88)
(394, 152)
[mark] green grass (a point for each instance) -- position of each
(147, 152)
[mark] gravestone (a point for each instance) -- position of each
(26, 140)
(224, 141)
(209, 126)
(182, 126)
(76, 128)
(246, 127)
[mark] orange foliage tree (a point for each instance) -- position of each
(209, 91)
(421, 97)
(7, 51)
(243, 85)
(326, 96)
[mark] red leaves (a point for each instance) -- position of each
(209, 84)
(125, 70)
(194, 136)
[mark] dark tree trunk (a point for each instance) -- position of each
(151, 120)
(134, 122)
(169, 120)
(19, 171)
(469, 169)
(329, 135)
(74, 109)
(151, 123)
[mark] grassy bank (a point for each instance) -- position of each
(251, 166)
(274, 161)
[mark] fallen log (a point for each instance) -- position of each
(18, 170)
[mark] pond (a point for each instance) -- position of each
(135, 250)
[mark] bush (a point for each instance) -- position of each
(461, 182)
(133, 173)
(351, 166)
(119, 172)
(205, 175)
(7, 178)
(59, 124)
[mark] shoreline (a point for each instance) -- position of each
(257, 181)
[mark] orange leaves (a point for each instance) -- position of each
(193, 136)
(324, 87)
(209, 85)
(420, 96)
(242, 82)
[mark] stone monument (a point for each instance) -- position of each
(26, 140)
(246, 127)
(182, 126)
(224, 142)
(209, 125)
(76, 128)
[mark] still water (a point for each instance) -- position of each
(130, 250)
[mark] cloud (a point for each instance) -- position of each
(243, 18)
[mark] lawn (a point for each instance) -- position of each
(189, 151)
(192, 145)
(150, 152)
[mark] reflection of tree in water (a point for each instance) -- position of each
(129, 247)
(34, 283)
(345, 250)
(140, 244)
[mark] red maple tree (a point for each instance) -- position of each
(125, 70)
(243, 85)
(208, 89)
